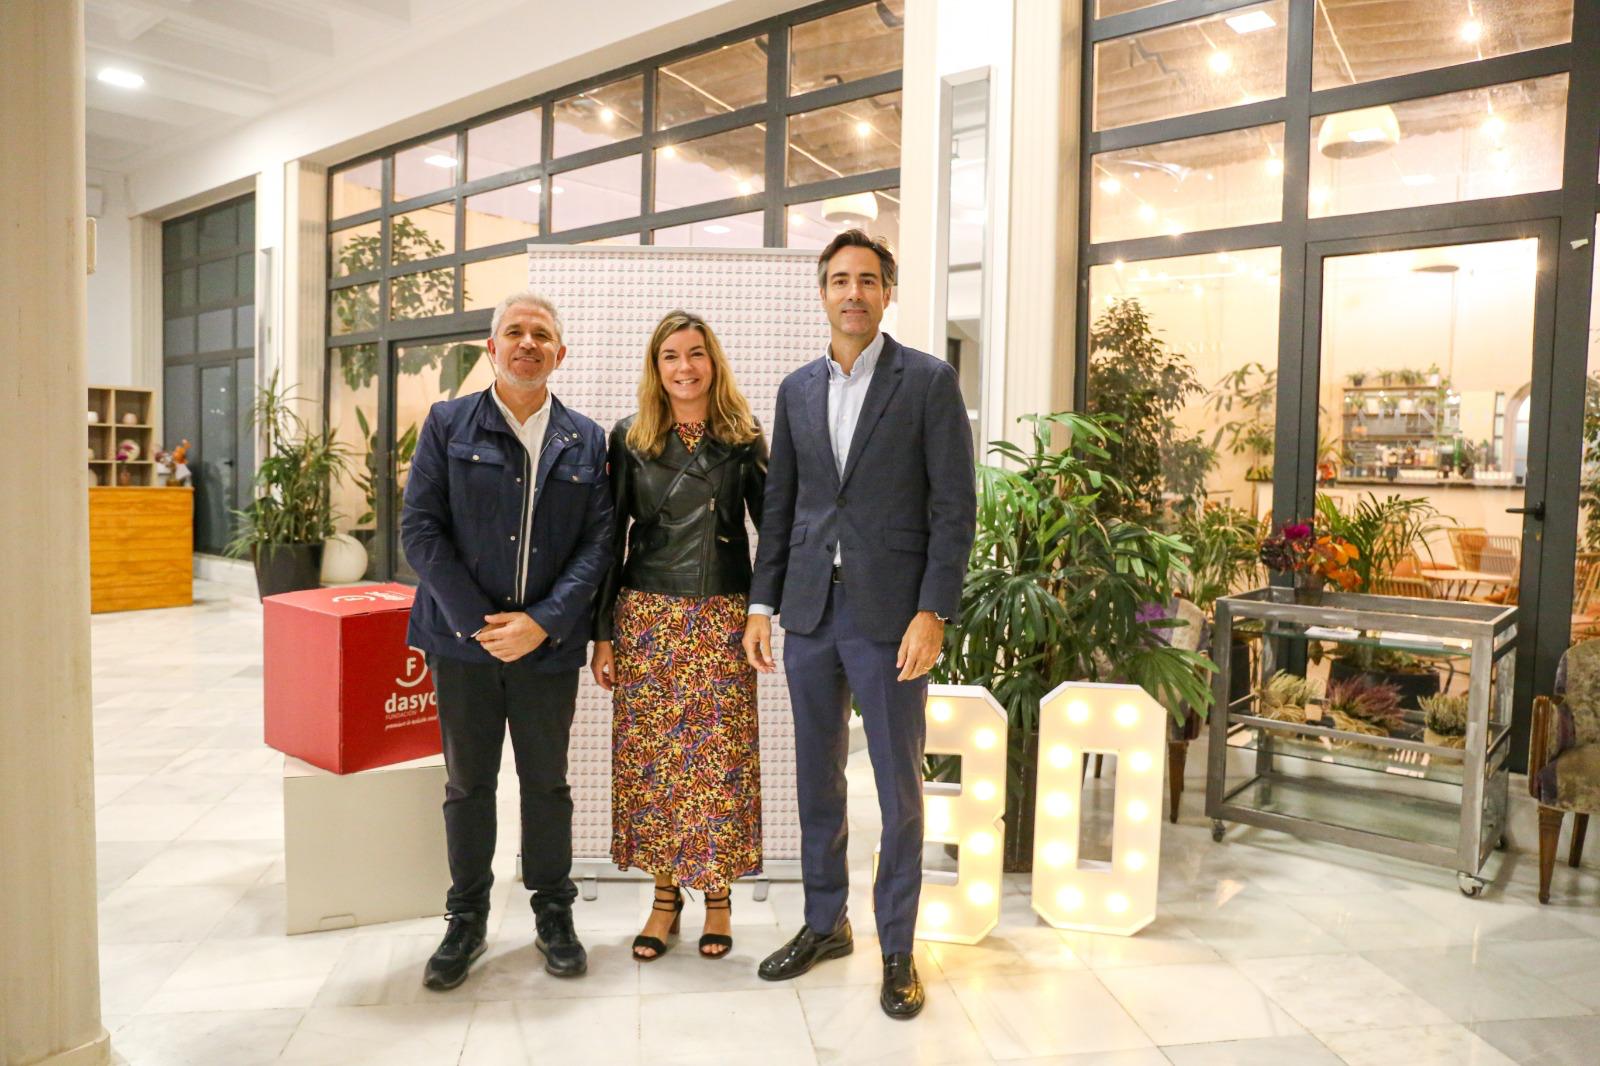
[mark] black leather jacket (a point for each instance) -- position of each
(691, 540)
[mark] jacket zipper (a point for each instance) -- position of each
(522, 527)
(706, 545)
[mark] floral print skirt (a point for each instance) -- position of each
(685, 751)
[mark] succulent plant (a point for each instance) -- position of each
(1446, 715)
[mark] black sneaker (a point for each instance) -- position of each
(462, 944)
(563, 954)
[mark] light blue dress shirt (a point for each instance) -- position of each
(847, 393)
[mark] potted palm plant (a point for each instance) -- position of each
(284, 527)
(1058, 589)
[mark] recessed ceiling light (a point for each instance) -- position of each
(863, 129)
(745, 188)
(1494, 126)
(1219, 62)
(1146, 213)
(1471, 31)
(1118, 265)
(669, 152)
(1110, 186)
(557, 190)
(717, 228)
(1274, 166)
(122, 79)
(1250, 22)
(607, 115)
(796, 217)
(439, 159)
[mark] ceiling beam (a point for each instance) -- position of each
(176, 86)
(396, 12)
(160, 45)
(253, 22)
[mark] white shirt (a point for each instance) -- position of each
(531, 434)
(847, 393)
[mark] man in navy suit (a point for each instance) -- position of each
(869, 519)
(507, 523)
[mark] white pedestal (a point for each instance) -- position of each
(365, 847)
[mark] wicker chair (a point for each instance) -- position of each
(1396, 585)
(1564, 756)
(1466, 544)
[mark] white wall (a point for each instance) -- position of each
(110, 348)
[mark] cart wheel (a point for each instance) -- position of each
(1500, 845)
(1471, 887)
(1217, 829)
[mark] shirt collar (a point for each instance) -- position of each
(866, 362)
(511, 420)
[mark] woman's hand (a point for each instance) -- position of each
(601, 663)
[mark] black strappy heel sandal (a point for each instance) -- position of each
(674, 903)
(713, 940)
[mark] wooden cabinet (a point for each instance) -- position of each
(141, 548)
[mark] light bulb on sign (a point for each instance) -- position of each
(1070, 898)
(1057, 853)
(1128, 714)
(1077, 710)
(981, 893)
(1137, 810)
(939, 709)
(1060, 756)
(984, 790)
(1140, 762)
(984, 739)
(937, 914)
(1058, 805)
(981, 843)
(1117, 903)
(1134, 860)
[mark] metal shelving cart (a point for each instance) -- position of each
(1397, 794)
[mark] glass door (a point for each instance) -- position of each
(1428, 383)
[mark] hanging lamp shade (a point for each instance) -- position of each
(1352, 134)
(1439, 260)
(854, 207)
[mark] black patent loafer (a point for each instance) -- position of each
(463, 942)
(804, 951)
(902, 995)
(563, 953)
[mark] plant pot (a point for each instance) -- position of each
(1412, 686)
(287, 568)
(1444, 740)
(1018, 850)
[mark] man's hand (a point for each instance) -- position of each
(758, 642)
(920, 647)
(602, 663)
(510, 636)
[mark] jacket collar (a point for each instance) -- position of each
(885, 379)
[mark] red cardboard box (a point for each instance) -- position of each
(343, 691)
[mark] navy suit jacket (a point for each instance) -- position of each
(904, 512)
(462, 529)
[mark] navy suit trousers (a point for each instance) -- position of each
(824, 668)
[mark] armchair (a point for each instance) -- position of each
(1564, 756)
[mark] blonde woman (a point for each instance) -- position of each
(686, 776)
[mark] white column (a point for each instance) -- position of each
(49, 954)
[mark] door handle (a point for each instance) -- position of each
(1537, 510)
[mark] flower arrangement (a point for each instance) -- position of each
(1298, 548)
(1360, 705)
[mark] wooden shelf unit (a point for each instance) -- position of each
(110, 405)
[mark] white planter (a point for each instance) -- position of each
(344, 560)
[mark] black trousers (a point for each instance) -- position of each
(477, 703)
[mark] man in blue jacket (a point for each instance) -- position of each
(507, 523)
(868, 522)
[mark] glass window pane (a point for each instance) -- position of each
(1427, 358)
(353, 309)
(1107, 8)
(423, 294)
(1233, 58)
(1358, 40)
(588, 196)
(500, 215)
(1213, 319)
(1223, 179)
(848, 46)
(353, 419)
(731, 231)
(853, 138)
(620, 239)
(216, 330)
(423, 234)
(244, 326)
(178, 336)
(1496, 141)
(217, 279)
(603, 115)
(712, 83)
(504, 144)
(356, 250)
(179, 240)
(711, 168)
(178, 290)
(219, 229)
(246, 265)
(357, 189)
(425, 168)
(814, 224)
(488, 281)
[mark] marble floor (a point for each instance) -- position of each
(1267, 950)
